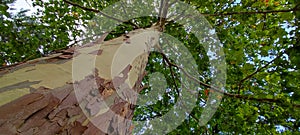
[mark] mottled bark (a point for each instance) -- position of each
(40, 97)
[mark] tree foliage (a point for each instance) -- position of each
(260, 40)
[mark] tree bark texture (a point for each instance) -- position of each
(40, 97)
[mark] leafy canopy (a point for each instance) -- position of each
(261, 44)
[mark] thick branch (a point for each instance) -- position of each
(162, 15)
(159, 12)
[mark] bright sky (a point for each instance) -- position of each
(23, 4)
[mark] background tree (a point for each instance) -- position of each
(260, 39)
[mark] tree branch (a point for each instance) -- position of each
(296, 8)
(262, 100)
(253, 12)
(162, 15)
(255, 72)
(173, 78)
(99, 12)
(159, 11)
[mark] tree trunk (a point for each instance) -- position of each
(60, 94)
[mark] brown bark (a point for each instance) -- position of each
(44, 112)
(57, 111)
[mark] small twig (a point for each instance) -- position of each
(169, 5)
(253, 12)
(142, 88)
(28, 3)
(195, 118)
(187, 74)
(99, 12)
(123, 8)
(84, 8)
(173, 78)
(255, 72)
(177, 17)
(296, 8)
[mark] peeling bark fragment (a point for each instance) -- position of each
(107, 93)
(70, 50)
(77, 129)
(97, 52)
(44, 112)
(25, 84)
(119, 80)
(69, 56)
(94, 105)
(138, 85)
(92, 130)
(34, 120)
(99, 107)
